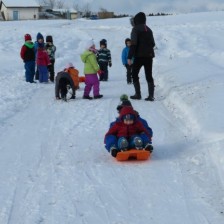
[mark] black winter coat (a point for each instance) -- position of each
(142, 40)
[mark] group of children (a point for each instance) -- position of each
(38, 55)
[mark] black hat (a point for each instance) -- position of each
(103, 42)
(49, 39)
(123, 104)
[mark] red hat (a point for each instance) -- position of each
(27, 37)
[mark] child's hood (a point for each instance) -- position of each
(127, 110)
(85, 55)
(29, 44)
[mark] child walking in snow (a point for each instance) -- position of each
(50, 47)
(91, 68)
(124, 58)
(104, 59)
(28, 55)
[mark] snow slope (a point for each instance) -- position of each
(53, 165)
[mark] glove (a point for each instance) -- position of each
(100, 72)
(110, 64)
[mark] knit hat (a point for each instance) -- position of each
(27, 37)
(124, 97)
(140, 18)
(89, 44)
(69, 65)
(103, 42)
(39, 36)
(49, 39)
(125, 103)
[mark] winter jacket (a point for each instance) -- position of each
(90, 62)
(119, 129)
(27, 52)
(142, 40)
(63, 75)
(42, 58)
(124, 55)
(51, 49)
(104, 56)
(74, 73)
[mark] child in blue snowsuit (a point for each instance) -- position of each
(124, 58)
(28, 55)
(127, 132)
(111, 142)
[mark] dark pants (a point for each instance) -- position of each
(147, 64)
(51, 70)
(63, 86)
(104, 68)
(29, 71)
(129, 73)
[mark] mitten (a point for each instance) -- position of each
(114, 151)
(100, 72)
(110, 64)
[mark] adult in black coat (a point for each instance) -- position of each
(62, 80)
(142, 44)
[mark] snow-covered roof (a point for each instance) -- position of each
(20, 3)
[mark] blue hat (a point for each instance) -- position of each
(39, 36)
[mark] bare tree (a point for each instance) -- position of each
(86, 10)
(60, 4)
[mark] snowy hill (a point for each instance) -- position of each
(54, 168)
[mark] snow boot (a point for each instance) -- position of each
(148, 147)
(114, 151)
(87, 97)
(98, 97)
(137, 95)
(138, 143)
(151, 92)
(123, 144)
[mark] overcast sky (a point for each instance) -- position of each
(150, 6)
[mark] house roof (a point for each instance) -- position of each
(20, 3)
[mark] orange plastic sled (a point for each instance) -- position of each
(133, 154)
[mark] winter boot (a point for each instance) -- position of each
(138, 143)
(87, 97)
(151, 92)
(98, 97)
(123, 144)
(149, 147)
(137, 95)
(114, 151)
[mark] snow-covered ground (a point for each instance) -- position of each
(54, 168)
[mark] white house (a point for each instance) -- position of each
(19, 9)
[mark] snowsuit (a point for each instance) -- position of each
(142, 44)
(62, 80)
(74, 73)
(42, 61)
(104, 59)
(91, 68)
(124, 58)
(28, 55)
(50, 48)
(119, 130)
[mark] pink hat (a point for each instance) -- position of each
(69, 65)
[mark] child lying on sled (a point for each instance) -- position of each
(127, 133)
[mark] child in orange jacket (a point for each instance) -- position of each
(74, 73)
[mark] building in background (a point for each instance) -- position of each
(19, 9)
